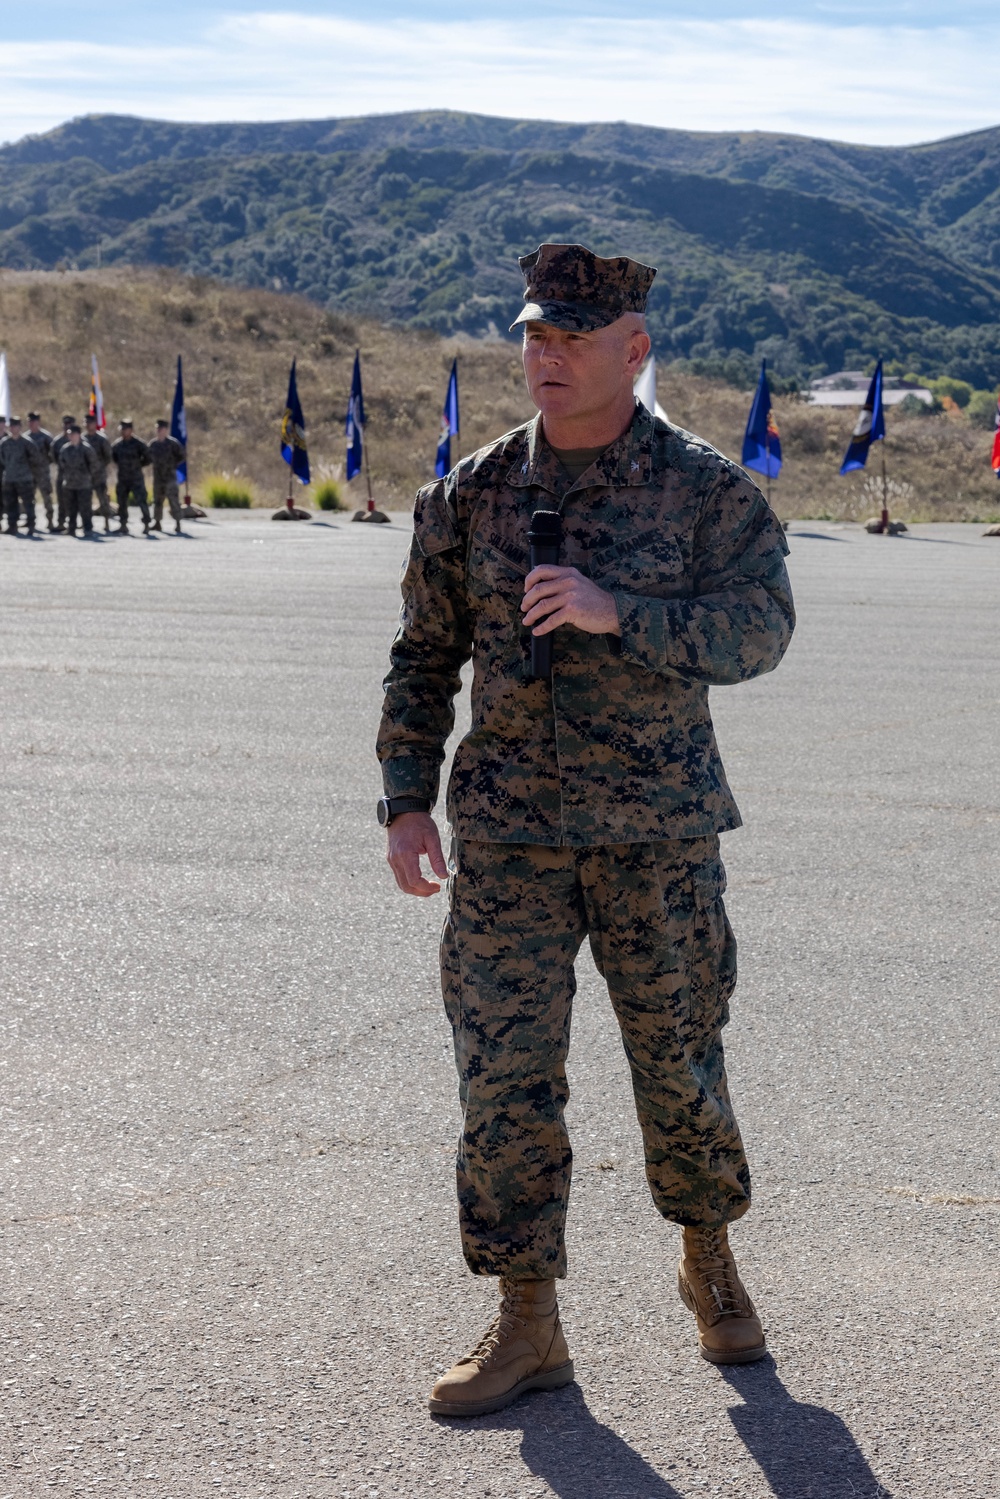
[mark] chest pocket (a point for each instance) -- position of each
(650, 565)
(496, 587)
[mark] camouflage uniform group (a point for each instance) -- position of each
(81, 459)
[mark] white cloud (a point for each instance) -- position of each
(862, 83)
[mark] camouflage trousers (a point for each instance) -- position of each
(102, 499)
(17, 495)
(165, 489)
(133, 489)
(78, 508)
(44, 488)
(658, 931)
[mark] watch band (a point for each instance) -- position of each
(391, 807)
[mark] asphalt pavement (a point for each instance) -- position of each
(230, 1257)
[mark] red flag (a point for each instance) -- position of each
(996, 442)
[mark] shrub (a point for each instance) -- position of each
(225, 493)
(328, 496)
(982, 408)
(912, 405)
(959, 391)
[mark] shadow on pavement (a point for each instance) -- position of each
(577, 1456)
(804, 1451)
(814, 536)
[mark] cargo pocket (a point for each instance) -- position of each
(713, 959)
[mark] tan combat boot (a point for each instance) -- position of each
(523, 1349)
(729, 1330)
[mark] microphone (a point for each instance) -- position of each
(544, 536)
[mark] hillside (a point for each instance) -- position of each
(237, 346)
(818, 254)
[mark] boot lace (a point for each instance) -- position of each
(719, 1284)
(504, 1324)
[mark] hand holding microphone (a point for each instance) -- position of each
(555, 595)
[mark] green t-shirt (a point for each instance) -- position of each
(576, 461)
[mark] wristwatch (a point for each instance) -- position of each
(389, 808)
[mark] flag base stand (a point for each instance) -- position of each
(375, 517)
(291, 512)
(881, 525)
(993, 531)
(191, 511)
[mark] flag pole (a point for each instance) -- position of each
(885, 494)
(368, 474)
(288, 502)
(458, 419)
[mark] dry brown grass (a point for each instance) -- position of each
(237, 346)
(939, 465)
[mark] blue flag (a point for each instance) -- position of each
(869, 428)
(761, 442)
(293, 432)
(449, 424)
(178, 423)
(355, 424)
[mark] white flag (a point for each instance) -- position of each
(4, 390)
(644, 386)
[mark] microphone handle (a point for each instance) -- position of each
(541, 645)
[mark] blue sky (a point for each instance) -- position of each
(888, 73)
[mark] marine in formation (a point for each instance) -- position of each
(585, 803)
(166, 454)
(21, 463)
(131, 456)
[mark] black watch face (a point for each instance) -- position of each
(382, 811)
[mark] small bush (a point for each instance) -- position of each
(959, 391)
(912, 405)
(328, 496)
(224, 493)
(982, 408)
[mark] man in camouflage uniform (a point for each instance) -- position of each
(166, 453)
(37, 434)
(58, 443)
(20, 466)
(586, 805)
(131, 456)
(78, 466)
(101, 449)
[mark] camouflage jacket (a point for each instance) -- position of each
(20, 460)
(42, 441)
(619, 747)
(101, 449)
(131, 456)
(78, 465)
(166, 453)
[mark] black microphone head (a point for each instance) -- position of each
(546, 526)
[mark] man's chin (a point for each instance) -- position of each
(558, 401)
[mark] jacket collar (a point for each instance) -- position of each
(627, 463)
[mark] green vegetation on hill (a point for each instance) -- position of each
(816, 254)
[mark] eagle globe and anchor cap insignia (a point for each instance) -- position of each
(569, 287)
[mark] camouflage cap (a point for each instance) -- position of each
(568, 286)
